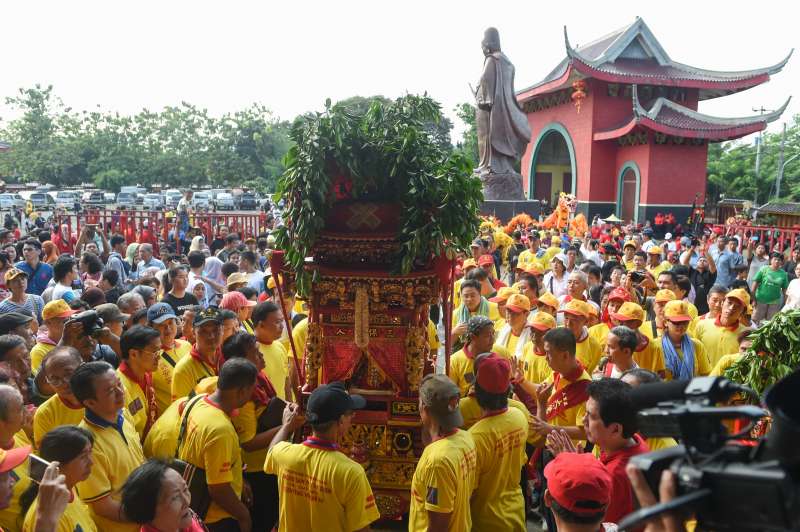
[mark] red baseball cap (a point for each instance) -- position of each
(579, 482)
(13, 457)
(494, 374)
(619, 293)
(485, 260)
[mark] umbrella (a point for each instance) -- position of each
(612, 219)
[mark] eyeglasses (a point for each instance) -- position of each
(57, 382)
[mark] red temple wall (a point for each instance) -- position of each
(675, 174)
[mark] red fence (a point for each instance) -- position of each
(155, 227)
(775, 238)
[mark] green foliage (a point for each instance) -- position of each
(731, 167)
(469, 142)
(386, 153)
(774, 354)
(178, 146)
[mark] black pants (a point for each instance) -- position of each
(546, 513)
(264, 512)
(228, 524)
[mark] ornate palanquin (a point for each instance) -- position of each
(369, 328)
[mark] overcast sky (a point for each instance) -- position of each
(292, 55)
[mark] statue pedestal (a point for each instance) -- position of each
(507, 209)
(505, 186)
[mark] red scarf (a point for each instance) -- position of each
(209, 368)
(146, 384)
(264, 391)
(468, 353)
(571, 395)
(730, 328)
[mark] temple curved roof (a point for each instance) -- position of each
(670, 118)
(633, 55)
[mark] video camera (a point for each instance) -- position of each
(727, 485)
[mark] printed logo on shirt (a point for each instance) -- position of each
(370, 502)
(225, 467)
(433, 496)
(135, 406)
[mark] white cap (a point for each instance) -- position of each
(668, 236)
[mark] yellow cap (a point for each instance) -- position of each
(469, 263)
(549, 299)
(630, 243)
(664, 295)
(576, 307)
(740, 294)
(236, 278)
(543, 321)
(518, 303)
(555, 240)
(503, 294)
(629, 311)
(57, 309)
(533, 269)
(677, 311)
(655, 250)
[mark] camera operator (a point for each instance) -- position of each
(86, 333)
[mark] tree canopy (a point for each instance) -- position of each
(179, 145)
(731, 167)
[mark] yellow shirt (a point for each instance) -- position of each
(655, 271)
(717, 340)
(10, 518)
(188, 372)
(629, 265)
(38, 353)
(462, 369)
(647, 330)
(573, 416)
(211, 444)
(534, 366)
(300, 336)
(135, 402)
(497, 503)
(115, 454)
(588, 352)
(75, 517)
(246, 425)
(701, 364)
(471, 413)
(51, 414)
(433, 340)
(443, 482)
(656, 444)
(651, 357)
(320, 489)
(600, 332)
(276, 366)
(724, 363)
(163, 436)
(528, 258)
(162, 377)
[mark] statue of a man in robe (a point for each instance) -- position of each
(503, 130)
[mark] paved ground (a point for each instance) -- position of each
(403, 525)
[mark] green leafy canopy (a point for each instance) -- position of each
(388, 152)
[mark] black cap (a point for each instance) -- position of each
(12, 320)
(330, 401)
(209, 314)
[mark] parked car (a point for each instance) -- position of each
(42, 201)
(126, 200)
(201, 200)
(153, 201)
(95, 198)
(248, 201)
(67, 198)
(224, 202)
(109, 197)
(172, 197)
(10, 200)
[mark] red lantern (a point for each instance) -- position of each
(578, 93)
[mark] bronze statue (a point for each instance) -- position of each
(503, 130)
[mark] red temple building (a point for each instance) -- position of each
(616, 124)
